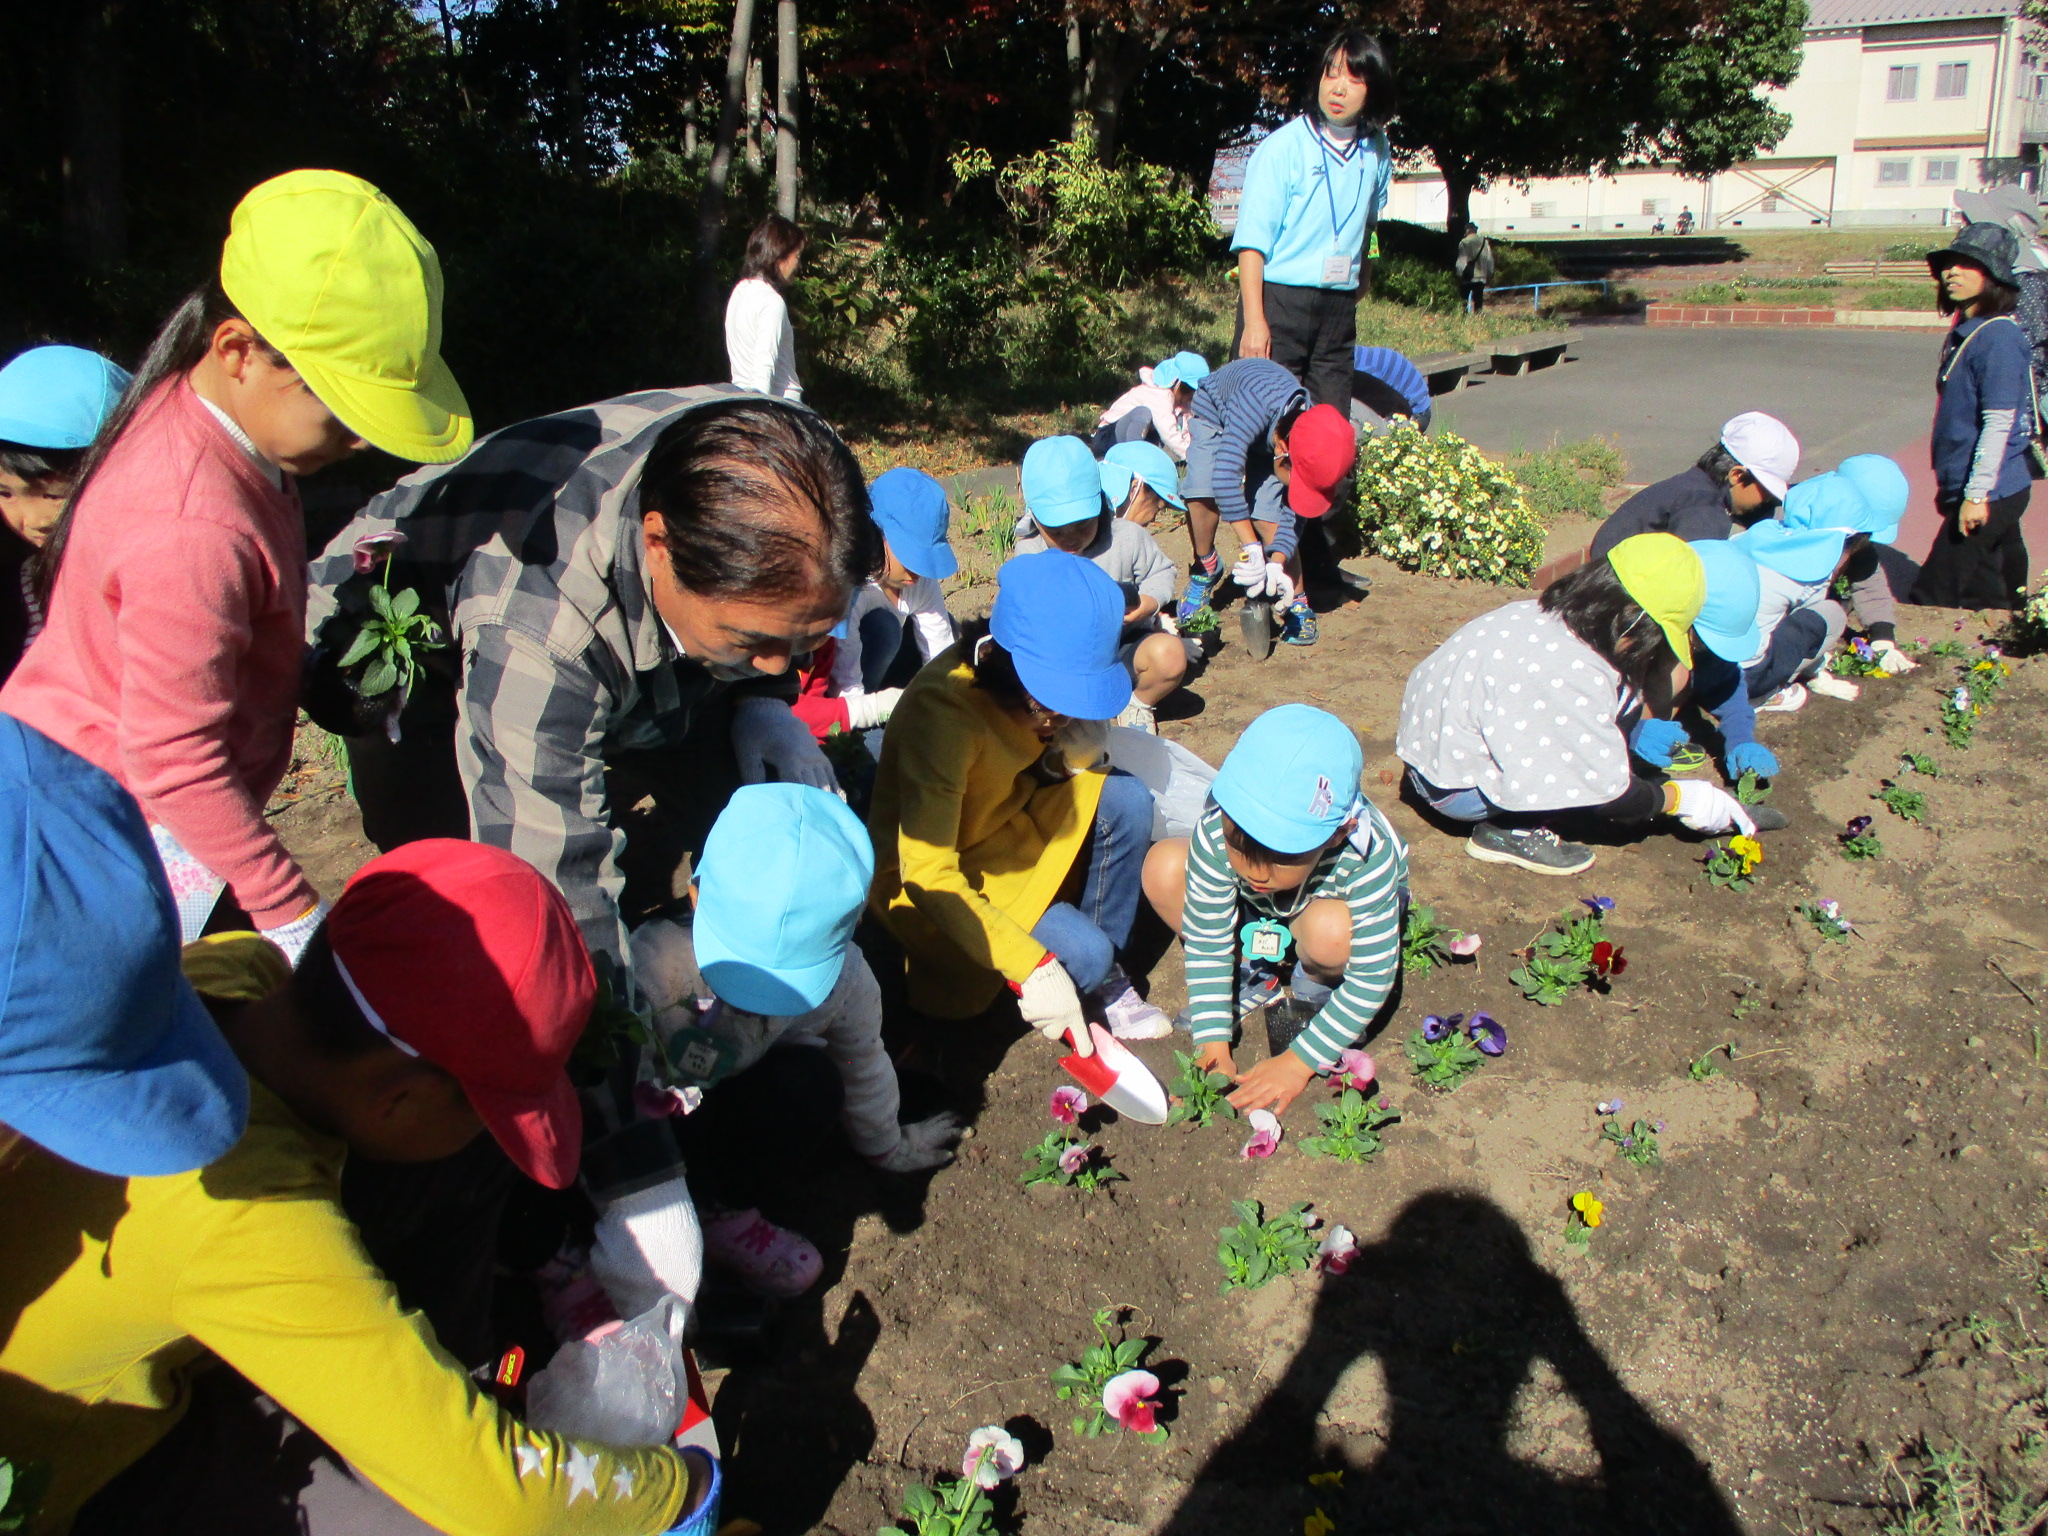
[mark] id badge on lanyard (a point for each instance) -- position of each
(1339, 270)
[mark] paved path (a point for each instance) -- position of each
(1664, 394)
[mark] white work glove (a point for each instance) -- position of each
(294, 936)
(865, 711)
(1051, 1006)
(769, 741)
(1278, 587)
(922, 1144)
(648, 1245)
(1709, 808)
(1891, 658)
(1250, 570)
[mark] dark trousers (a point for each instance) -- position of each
(760, 1131)
(1474, 295)
(1987, 569)
(1799, 637)
(1315, 334)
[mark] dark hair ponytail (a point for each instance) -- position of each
(180, 343)
(1366, 57)
(1596, 607)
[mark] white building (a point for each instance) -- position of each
(1898, 104)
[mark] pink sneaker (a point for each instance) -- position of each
(772, 1260)
(1128, 1015)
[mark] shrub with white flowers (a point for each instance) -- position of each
(1439, 506)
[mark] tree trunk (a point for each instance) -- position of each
(711, 201)
(95, 202)
(1077, 75)
(1458, 180)
(787, 82)
(1115, 60)
(753, 114)
(690, 128)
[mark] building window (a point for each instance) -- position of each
(1942, 172)
(1894, 173)
(1951, 81)
(1902, 83)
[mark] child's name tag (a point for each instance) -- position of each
(1266, 940)
(700, 1057)
(1339, 269)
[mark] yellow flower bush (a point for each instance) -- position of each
(1439, 506)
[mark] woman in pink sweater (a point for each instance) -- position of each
(176, 578)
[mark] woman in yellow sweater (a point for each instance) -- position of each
(993, 801)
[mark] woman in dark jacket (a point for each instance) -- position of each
(1983, 423)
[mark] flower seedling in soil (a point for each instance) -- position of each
(1732, 865)
(1858, 842)
(1574, 953)
(1446, 1051)
(1826, 917)
(960, 1506)
(1702, 1067)
(1107, 1384)
(1587, 1212)
(1954, 650)
(1202, 623)
(1065, 1158)
(1921, 763)
(1856, 659)
(1427, 944)
(1636, 1142)
(392, 631)
(1909, 804)
(1350, 1127)
(1750, 789)
(1259, 1250)
(1959, 718)
(1199, 1096)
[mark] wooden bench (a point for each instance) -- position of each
(1879, 269)
(1516, 353)
(1446, 370)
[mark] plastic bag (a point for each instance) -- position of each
(625, 1387)
(1178, 779)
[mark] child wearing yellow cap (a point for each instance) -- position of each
(176, 577)
(1524, 714)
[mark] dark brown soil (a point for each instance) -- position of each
(1760, 1328)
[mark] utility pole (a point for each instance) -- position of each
(788, 81)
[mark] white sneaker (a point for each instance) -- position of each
(1788, 700)
(1139, 716)
(1128, 1015)
(1829, 686)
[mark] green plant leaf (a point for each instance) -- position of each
(364, 643)
(405, 604)
(381, 676)
(380, 603)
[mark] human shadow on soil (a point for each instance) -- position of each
(1457, 1311)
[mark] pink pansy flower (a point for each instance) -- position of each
(1355, 1069)
(372, 547)
(1337, 1250)
(1068, 1105)
(1075, 1158)
(1465, 945)
(994, 1455)
(1130, 1400)
(1265, 1134)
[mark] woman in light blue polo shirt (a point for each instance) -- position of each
(1312, 192)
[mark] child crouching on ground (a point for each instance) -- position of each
(1065, 508)
(1139, 479)
(1155, 410)
(52, 403)
(1289, 861)
(766, 1007)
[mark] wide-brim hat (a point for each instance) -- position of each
(1990, 246)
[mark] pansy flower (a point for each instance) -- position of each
(1858, 825)
(1590, 1207)
(1355, 1069)
(1464, 946)
(1487, 1034)
(1600, 905)
(1132, 1399)
(373, 547)
(1265, 1134)
(1607, 960)
(1068, 1105)
(1075, 1158)
(1435, 1028)
(994, 1455)
(1338, 1249)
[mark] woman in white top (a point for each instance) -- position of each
(758, 340)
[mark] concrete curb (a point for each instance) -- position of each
(1694, 315)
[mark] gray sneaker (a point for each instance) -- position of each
(1534, 848)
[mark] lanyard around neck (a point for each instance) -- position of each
(1329, 192)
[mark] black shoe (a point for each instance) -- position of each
(1533, 848)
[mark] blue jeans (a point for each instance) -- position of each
(1457, 804)
(1803, 636)
(1087, 937)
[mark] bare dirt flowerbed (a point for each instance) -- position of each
(1834, 1271)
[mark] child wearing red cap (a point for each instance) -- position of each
(1260, 456)
(441, 999)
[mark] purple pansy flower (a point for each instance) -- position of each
(1075, 1158)
(1435, 1028)
(1600, 905)
(1487, 1034)
(1858, 825)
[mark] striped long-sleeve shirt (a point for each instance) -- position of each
(1368, 882)
(1245, 400)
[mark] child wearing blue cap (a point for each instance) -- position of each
(991, 791)
(52, 403)
(1290, 863)
(766, 1007)
(1825, 530)
(1155, 410)
(1066, 507)
(897, 620)
(1140, 479)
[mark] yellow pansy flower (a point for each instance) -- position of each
(1590, 1207)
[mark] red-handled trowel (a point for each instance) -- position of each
(1118, 1078)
